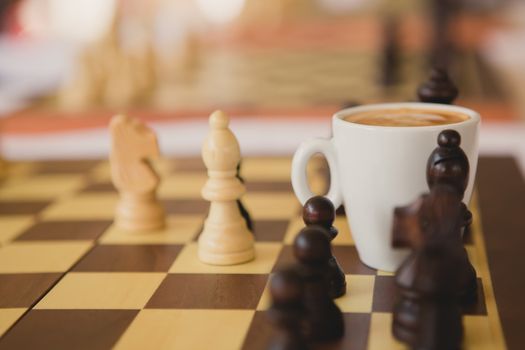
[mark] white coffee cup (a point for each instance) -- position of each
(373, 169)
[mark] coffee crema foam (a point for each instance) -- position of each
(406, 117)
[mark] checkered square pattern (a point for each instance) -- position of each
(70, 279)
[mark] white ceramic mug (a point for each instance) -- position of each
(376, 168)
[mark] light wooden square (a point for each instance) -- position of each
(359, 294)
(102, 291)
(8, 317)
(12, 226)
(473, 257)
(266, 299)
(380, 335)
(478, 333)
(385, 273)
(271, 205)
(97, 206)
(40, 187)
(187, 329)
(179, 229)
(182, 185)
(265, 256)
(40, 256)
(343, 238)
(266, 169)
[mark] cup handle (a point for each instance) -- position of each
(299, 177)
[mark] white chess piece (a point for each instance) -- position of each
(225, 238)
(132, 144)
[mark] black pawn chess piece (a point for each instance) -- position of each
(428, 313)
(244, 213)
(448, 165)
(320, 211)
(438, 88)
(287, 310)
(324, 320)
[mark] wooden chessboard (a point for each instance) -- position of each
(70, 280)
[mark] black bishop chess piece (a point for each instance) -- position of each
(448, 165)
(287, 310)
(439, 88)
(320, 211)
(323, 320)
(428, 313)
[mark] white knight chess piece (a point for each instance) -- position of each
(132, 144)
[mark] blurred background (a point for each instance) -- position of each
(279, 67)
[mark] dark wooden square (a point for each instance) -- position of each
(16, 207)
(270, 230)
(385, 294)
(129, 258)
(66, 166)
(68, 329)
(65, 230)
(106, 186)
(261, 333)
(348, 258)
(265, 186)
(186, 206)
(24, 289)
(203, 291)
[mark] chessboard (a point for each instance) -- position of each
(70, 280)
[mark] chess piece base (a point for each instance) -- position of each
(226, 245)
(225, 259)
(139, 214)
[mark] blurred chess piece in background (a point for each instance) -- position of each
(118, 70)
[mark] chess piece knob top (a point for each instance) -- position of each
(448, 164)
(438, 89)
(449, 139)
(219, 120)
(312, 246)
(319, 210)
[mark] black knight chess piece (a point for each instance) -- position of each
(448, 165)
(428, 313)
(320, 211)
(324, 320)
(287, 310)
(438, 88)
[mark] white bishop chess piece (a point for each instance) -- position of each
(225, 238)
(132, 145)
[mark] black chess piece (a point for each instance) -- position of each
(244, 213)
(287, 310)
(428, 313)
(448, 165)
(320, 211)
(438, 88)
(391, 52)
(324, 320)
(349, 104)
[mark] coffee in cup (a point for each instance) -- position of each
(403, 117)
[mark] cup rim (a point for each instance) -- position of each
(473, 116)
